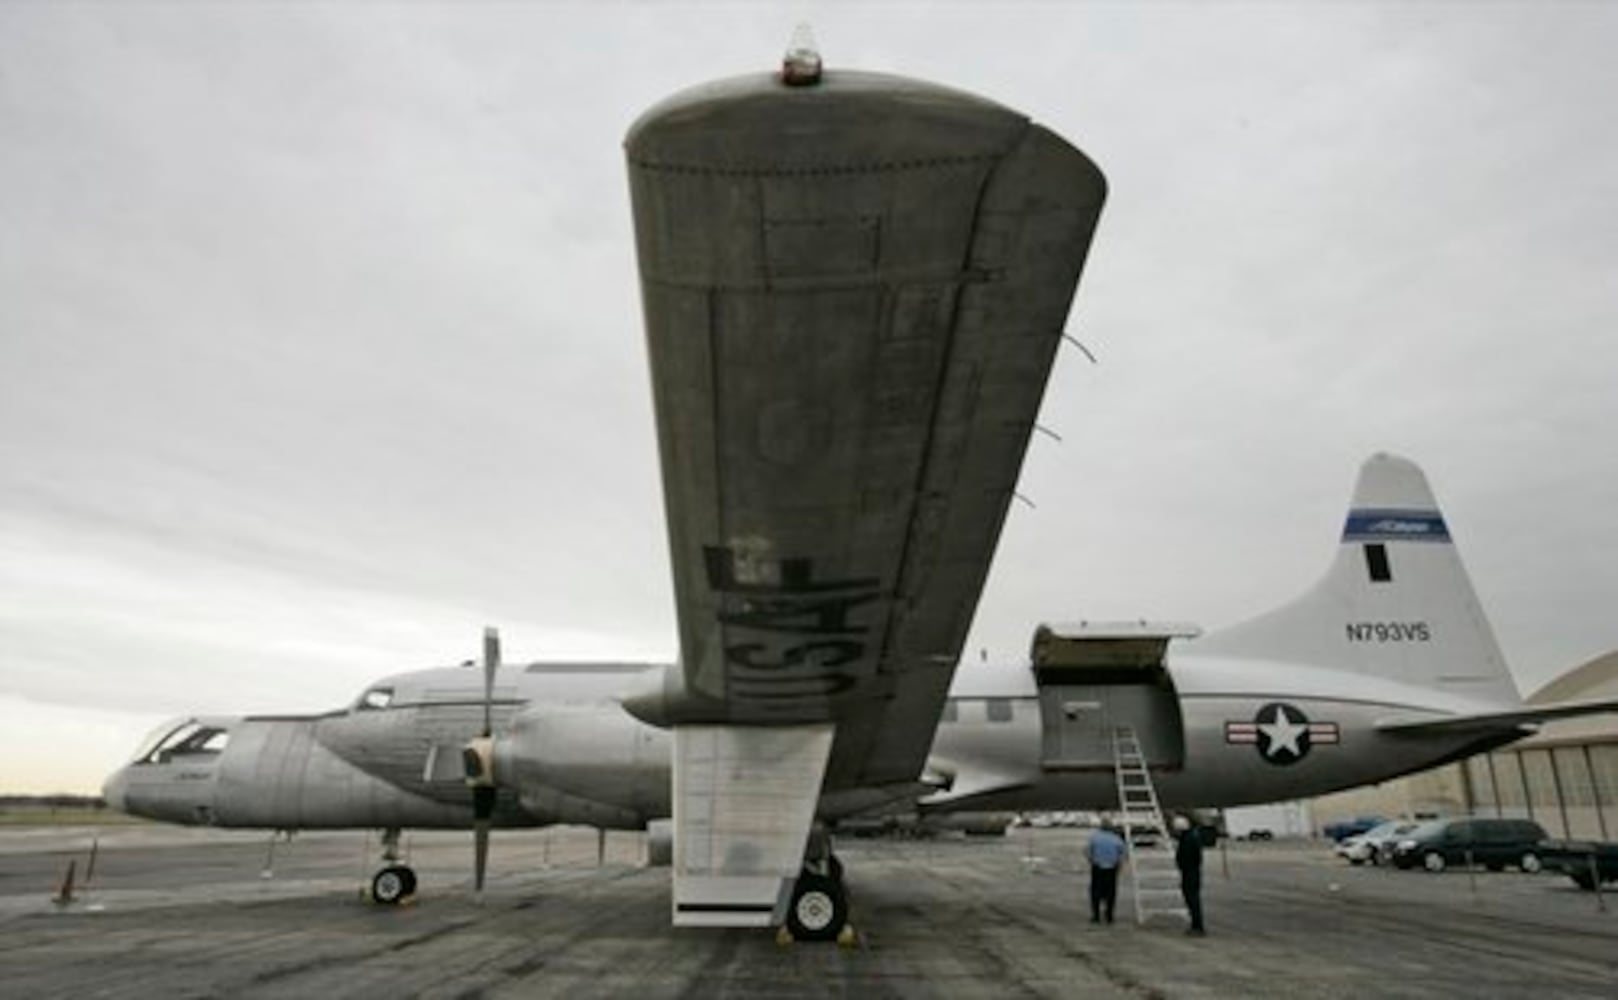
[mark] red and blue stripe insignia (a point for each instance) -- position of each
(1242, 732)
(1324, 732)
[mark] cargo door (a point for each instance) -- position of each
(1093, 678)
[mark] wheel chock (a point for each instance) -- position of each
(783, 937)
(847, 937)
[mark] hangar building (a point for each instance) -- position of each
(1565, 777)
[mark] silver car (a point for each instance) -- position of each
(1374, 845)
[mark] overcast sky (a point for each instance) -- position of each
(320, 341)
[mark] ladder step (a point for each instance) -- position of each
(1152, 873)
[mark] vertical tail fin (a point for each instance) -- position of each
(1396, 602)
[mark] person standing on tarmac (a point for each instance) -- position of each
(1188, 856)
(1106, 852)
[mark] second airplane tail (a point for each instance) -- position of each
(1396, 603)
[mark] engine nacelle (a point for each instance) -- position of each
(590, 764)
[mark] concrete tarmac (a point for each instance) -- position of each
(179, 913)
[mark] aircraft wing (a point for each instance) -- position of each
(853, 293)
(1525, 716)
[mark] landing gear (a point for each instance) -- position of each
(395, 882)
(819, 907)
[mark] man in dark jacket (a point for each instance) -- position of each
(1188, 856)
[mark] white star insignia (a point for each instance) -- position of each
(1283, 733)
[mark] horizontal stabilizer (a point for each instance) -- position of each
(1527, 715)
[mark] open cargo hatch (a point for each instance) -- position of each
(1096, 676)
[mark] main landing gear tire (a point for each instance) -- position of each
(1433, 861)
(392, 884)
(819, 908)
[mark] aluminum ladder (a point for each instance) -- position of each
(1153, 874)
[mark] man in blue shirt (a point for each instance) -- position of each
(1106, 852)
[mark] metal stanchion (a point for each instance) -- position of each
(1595, 883)
(64, 892)
(90, 869)
(365, 865)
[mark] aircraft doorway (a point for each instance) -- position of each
(1077, 723)
(1093, 679)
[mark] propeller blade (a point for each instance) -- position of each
(479, 758)
(482, 810)
(491, 663)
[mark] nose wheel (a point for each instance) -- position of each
(393, 884)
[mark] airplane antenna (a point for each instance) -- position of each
(1075, 342)
(1048, 432)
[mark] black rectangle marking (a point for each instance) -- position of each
(1376, 561)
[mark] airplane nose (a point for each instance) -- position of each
(112, 790)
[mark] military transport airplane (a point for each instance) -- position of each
(853, 289)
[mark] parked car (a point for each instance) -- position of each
(1493, 843)
(1374, 845)
(1260, 833)
(1351, 827)
(1584, 861)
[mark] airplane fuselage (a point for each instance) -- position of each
(1213, 732)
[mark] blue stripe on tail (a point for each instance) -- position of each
(1375, 525)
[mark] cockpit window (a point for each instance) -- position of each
(376, 698)
(190, 737)
(160, 750)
